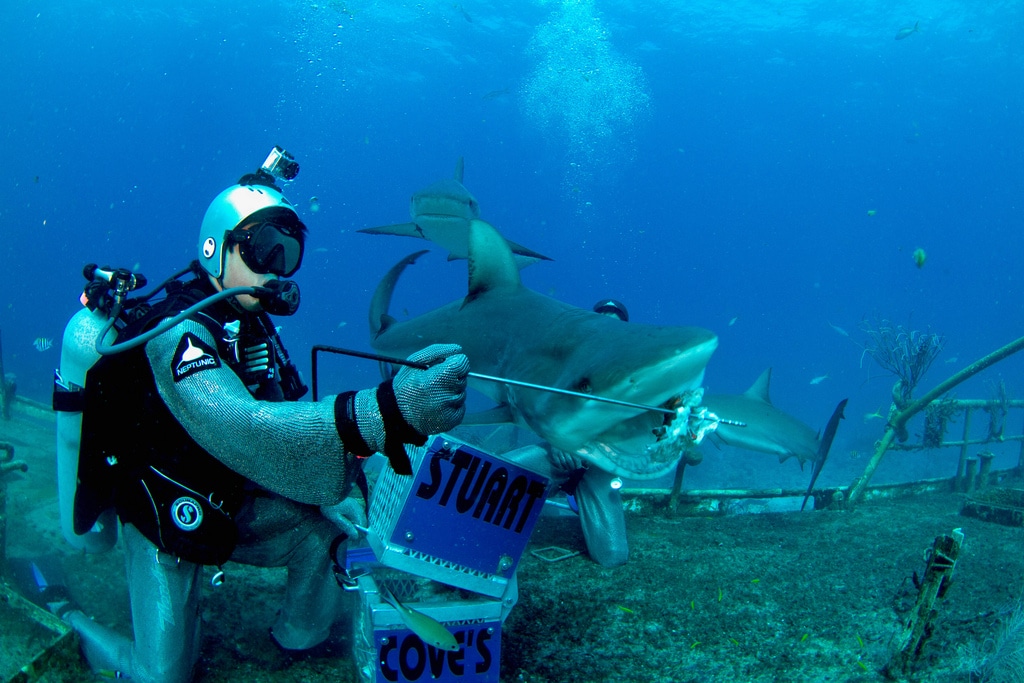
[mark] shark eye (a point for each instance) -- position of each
(584, 387)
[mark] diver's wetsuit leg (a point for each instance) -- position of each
(164, 598)
(602, 517)
(277, 532)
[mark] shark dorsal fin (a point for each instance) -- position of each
(460, 167)
(491, 264)
(759, 389)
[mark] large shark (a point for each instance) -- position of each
(510, 331)
(441, 213)
(768, 429)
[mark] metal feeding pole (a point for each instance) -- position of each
(476, 375)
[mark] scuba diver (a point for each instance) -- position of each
(192, 432)
(613, 308)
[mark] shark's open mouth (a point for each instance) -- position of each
(631, 460)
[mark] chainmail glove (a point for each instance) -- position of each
(433, 400)
(413, 405)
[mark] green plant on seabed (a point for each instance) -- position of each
(999, 659)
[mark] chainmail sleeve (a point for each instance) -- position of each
(292, 449)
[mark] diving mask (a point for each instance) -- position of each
(269, 247)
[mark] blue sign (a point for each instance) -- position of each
(402, 656)
(471, 508)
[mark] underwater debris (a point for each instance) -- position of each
(918, 627)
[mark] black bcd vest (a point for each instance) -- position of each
(136, 457)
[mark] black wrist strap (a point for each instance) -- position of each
(348, 429)
(397, 432)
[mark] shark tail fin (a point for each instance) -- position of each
(380, 319)
(824, 446)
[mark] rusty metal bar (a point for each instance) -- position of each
(856, 489)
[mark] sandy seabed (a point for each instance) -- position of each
(813, 596)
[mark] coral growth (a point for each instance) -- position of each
(906, 354)
(999, 659)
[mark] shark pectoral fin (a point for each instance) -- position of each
(825, 446)
(830, 431)
(520, 250)
(400, 229)
(498, 415)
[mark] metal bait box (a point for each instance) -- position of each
(463, 517)
(385, 649)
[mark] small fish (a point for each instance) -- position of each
(43, 343)
(872, 212)
(733, 321)
(431, 631)
(951, 360)
(342, 323)
(919, 257)
(875, 415)
(838, 329)
(819, 379)
(314, 204)
(906, 31)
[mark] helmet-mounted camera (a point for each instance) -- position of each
(281, 164)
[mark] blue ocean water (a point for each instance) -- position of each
(765, 170)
